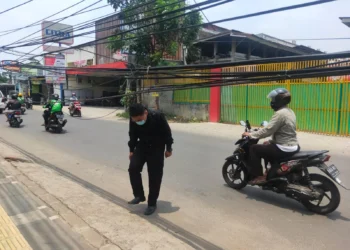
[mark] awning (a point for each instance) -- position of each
(86, 71)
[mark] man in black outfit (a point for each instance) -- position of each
(150, 140)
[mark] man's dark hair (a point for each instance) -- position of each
(136, 109)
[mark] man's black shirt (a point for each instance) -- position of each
(155, 133)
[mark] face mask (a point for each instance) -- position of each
(140, 123)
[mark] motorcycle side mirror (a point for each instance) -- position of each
(264, 123)
(248, 125)
(243, 123)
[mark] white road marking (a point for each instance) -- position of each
(42, 207)
(55, 217)
(9, 176)
(14, 182)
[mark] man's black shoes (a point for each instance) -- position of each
(137, 200)
(150, 210)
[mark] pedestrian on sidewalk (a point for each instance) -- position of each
(150, 140)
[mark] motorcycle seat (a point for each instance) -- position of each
(304, 154)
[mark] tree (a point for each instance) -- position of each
(150, 49)
(3, 79)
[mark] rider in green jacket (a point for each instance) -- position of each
(53, 106)
(20, 98)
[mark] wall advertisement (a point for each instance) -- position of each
(55, 76)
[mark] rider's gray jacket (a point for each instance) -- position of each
(282, 128)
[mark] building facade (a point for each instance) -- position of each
(82, 57)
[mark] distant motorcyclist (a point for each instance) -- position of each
(54, 99)
(20, 98)
(72, 99)
(282, 128)
(13, 104)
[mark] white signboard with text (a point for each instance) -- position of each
(53, 31)
(55, 76)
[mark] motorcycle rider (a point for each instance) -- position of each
(13, 104)
(28, 101)
(48, 106)
(20, 98)
(72, 99)
(282, 128)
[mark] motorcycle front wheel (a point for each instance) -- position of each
(330, 199)
(235, 174)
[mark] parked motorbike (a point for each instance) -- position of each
(29, 103)
(56, 122)
(14, 118)
(75, 109)
(289, 176)
(23, 108)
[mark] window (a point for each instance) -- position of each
(90, 62)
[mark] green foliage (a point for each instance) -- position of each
(124, 115)
(193, 54)
(3, 79)
(127, 100)
(150, 49)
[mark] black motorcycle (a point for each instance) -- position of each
(29, 103)
(56, 122)
(289, 176)
(14, 118)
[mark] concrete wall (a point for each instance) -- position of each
(166, 105)
(79, 57)
(85, 90)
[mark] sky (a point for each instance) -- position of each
(320, 21)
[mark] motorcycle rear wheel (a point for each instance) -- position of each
(58, 130)
(231, 175)
(327, 186)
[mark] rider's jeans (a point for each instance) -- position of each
(269, 152)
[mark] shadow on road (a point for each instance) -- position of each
(166, 207)
(337, 216)
(55, 133)
(163, 207)
(279, 200)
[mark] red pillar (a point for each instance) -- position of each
(215, 99)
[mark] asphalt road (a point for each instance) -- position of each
(200, 202)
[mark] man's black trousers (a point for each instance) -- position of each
(154, 157)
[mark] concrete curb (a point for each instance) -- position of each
(92, 236)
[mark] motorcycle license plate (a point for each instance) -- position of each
(60, 117)
(333, 171)
(17, 116)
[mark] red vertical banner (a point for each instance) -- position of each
(215, 98)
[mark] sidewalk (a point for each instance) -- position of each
(105, 223)
(26, 222)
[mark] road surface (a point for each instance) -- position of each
(194, 197)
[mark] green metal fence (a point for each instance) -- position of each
(192, 96)
(320, 107)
